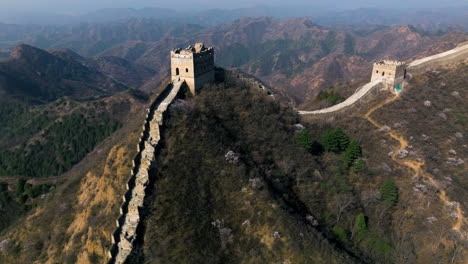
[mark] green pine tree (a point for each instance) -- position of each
(329, 142)
(335, 140)
(389, 192)
(341, 138)
(353, 152)
(360, 226)
(304, 139)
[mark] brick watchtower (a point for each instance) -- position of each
(392, 74)
(194, 65)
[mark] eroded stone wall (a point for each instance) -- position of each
(125, 234)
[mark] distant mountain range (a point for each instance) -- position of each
(297, 57)
(424, 17)
(34, 75)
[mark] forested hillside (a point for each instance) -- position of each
(240, 180)
(67, 219)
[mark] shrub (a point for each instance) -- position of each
(360, 226)
(304, 139)
(20, 187)
(340, 234)
(353, 152)
(334, 140)
(358, 166)
(389, 191)
(331, 98)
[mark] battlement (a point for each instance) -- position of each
(197, 51)
(389, 62)
(194, 65)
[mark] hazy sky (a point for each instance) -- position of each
(79, 6)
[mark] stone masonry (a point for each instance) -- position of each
(125, 234)
(391, 73)
(194, 65)
(386, 75)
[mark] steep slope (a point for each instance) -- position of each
(89, 39)
(130, 74)
(415, 140)
(32, 74)
(224, 189)
(74, 222)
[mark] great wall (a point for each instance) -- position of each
(377, 85)
(125, 234)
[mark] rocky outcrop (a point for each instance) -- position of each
(125, 234)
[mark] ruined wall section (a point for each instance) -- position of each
(125, 234)
(252, 82)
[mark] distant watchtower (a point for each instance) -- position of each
(194, 65)
(392, 73)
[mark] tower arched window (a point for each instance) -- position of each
(177, 71)
(383, 73)
(377, 71)
(186, 69)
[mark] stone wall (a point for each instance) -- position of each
(365, 91)
(458, 54)
(391, 73)
(127, 223)
(251, 81)
(195, 66)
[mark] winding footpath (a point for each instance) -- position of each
(417, 167)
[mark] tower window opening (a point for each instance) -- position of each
(377, 71)
(383, 73)
(177, 71)
(186, 69)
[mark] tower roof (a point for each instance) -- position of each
(198, 48)
(389, 62)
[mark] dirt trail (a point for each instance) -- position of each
(414, 165)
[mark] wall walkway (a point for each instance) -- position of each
(125, 234)
(458, 53)
(366, 89)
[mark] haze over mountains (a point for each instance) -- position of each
(296, 57)
(423, 16)
(240, 176)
